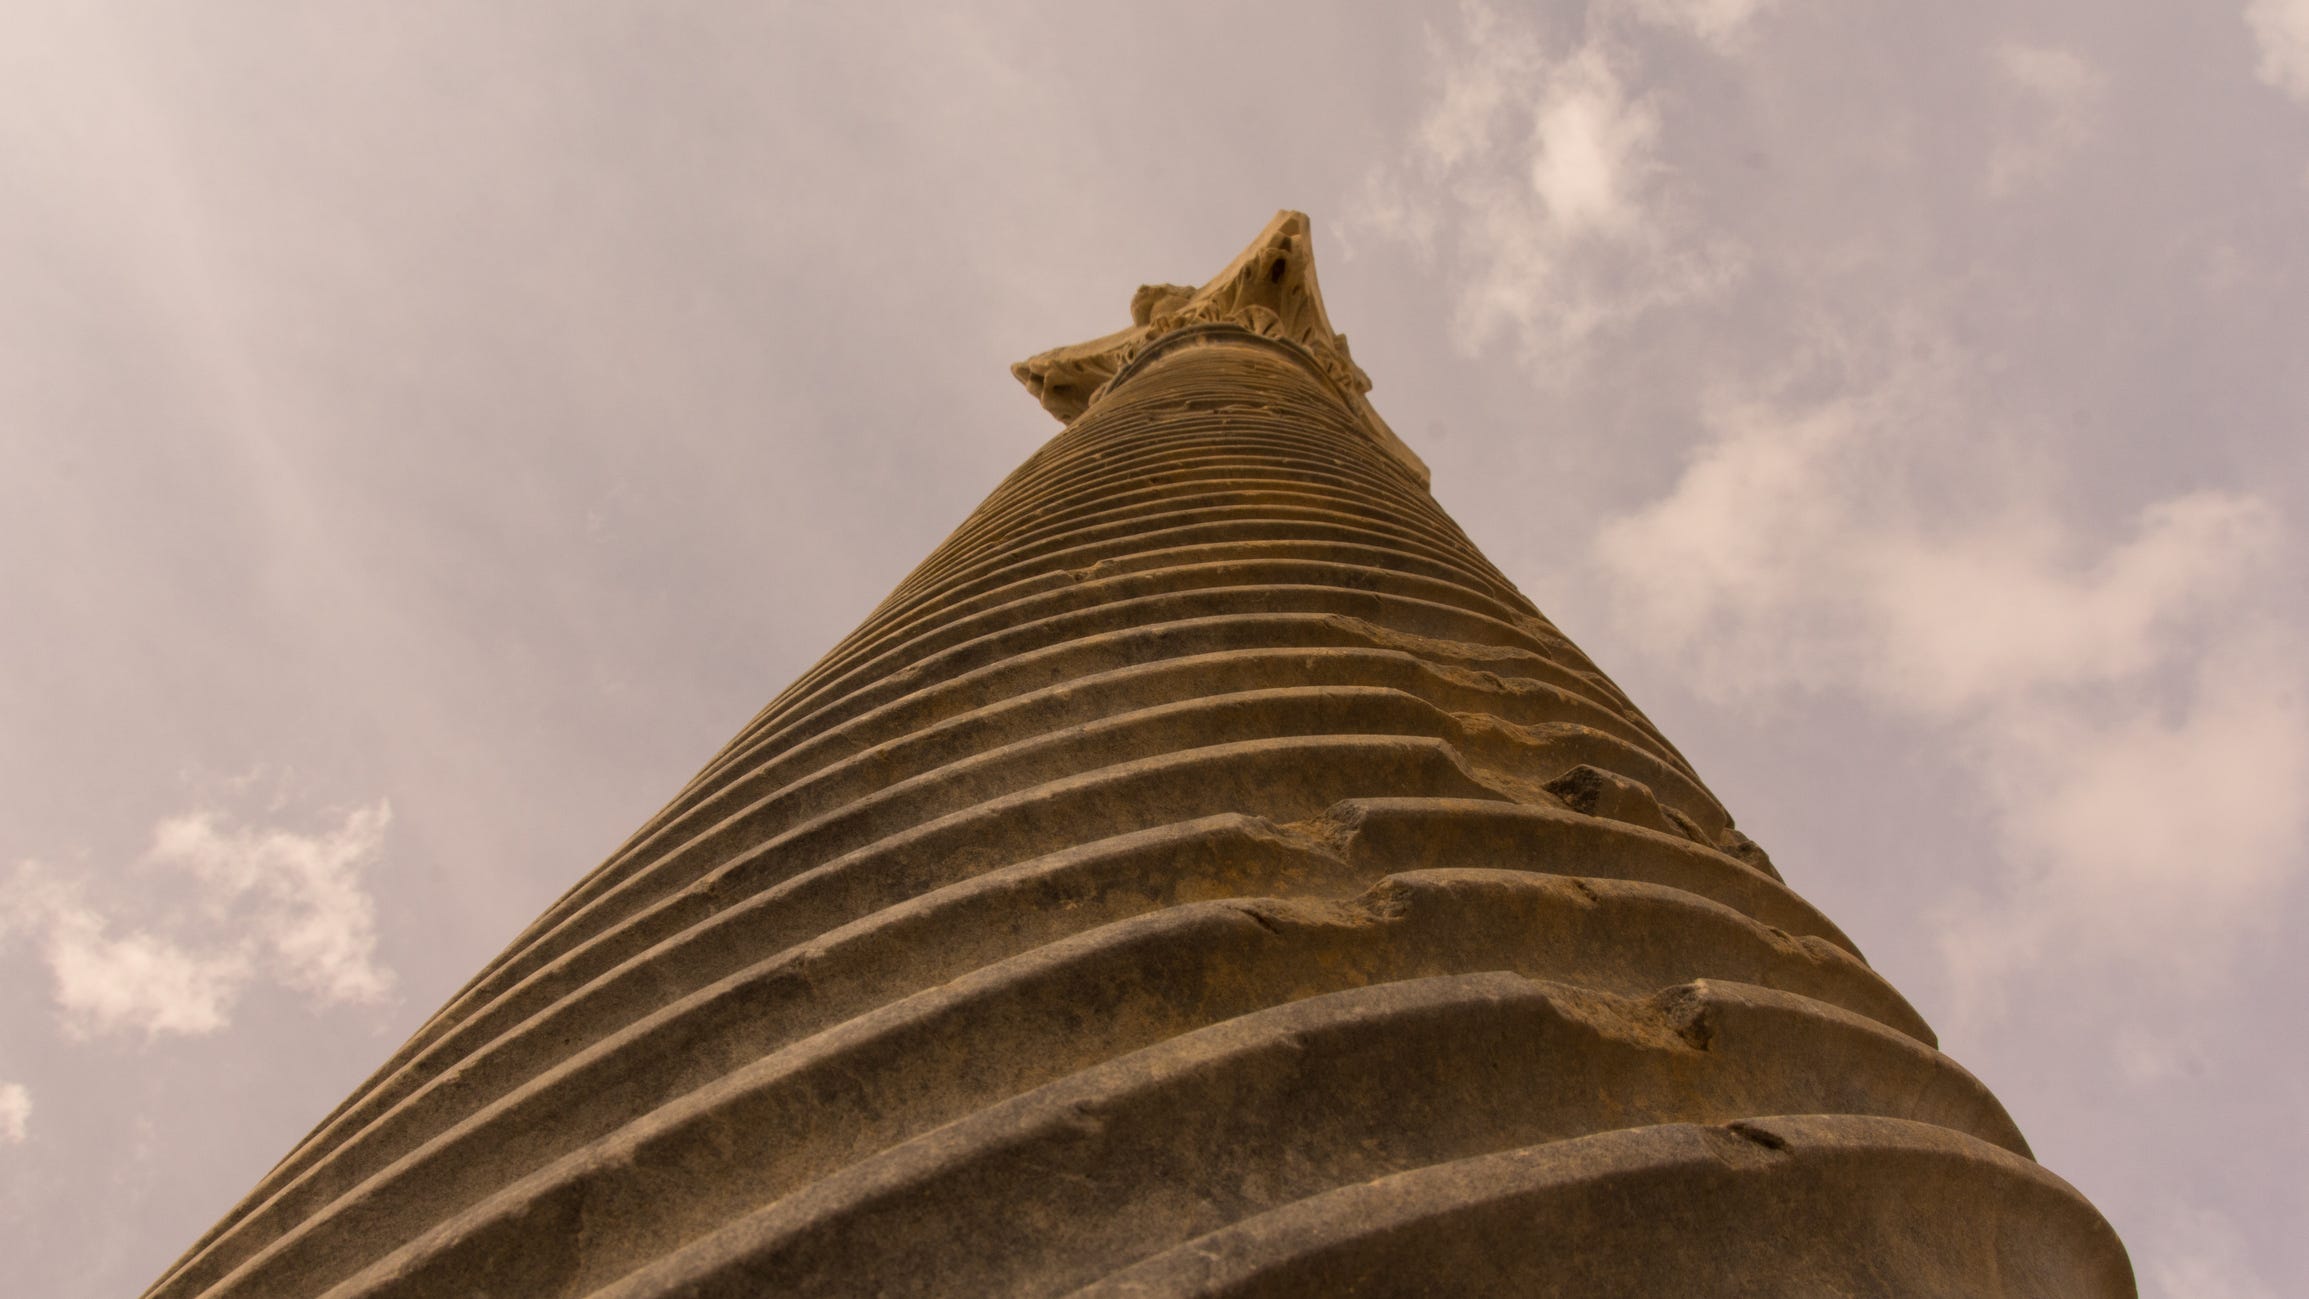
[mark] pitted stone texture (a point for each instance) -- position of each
(1205, 874)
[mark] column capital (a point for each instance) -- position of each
(1269, 289)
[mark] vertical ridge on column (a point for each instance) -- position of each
(1205, 874)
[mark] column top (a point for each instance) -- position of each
(1269, 290)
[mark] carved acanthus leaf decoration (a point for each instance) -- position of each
(1269, 290)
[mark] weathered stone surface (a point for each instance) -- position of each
(1828, 1205)
(1205, 874)
(1269, 290)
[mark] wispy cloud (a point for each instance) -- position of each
(2200, 1254)
(139, 980)
(2139, 832)
(1950, 488)
(302, 894)
(1720, 23)
(1795, 552)
(2062, 91)
(219, 906)
(2281, 30)
(1867, 526)
(15, 1114)
(1537, 176)
(2137, 731)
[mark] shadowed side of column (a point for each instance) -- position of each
(1205, 874)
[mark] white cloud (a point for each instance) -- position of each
(1863, 528)
(1797, 551)
(218, 907)
(1591, 147)
(2140, 737)
(15, 1114)
(301, 893)
(2281, 29)
(141, 981)
(1495, 74)
(2174, 815)
(2063, 93)
(2131, 834)
(1720, 23)
(1991, 610)
(1545, 166)
(2199, 1254)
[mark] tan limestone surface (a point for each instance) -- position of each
(1206, 874)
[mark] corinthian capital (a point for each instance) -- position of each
(1268, 290)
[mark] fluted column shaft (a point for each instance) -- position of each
(1204, 873)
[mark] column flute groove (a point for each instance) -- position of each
(1205, 874)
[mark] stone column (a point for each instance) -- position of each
(1205, 874)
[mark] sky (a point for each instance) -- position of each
(428, 430)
